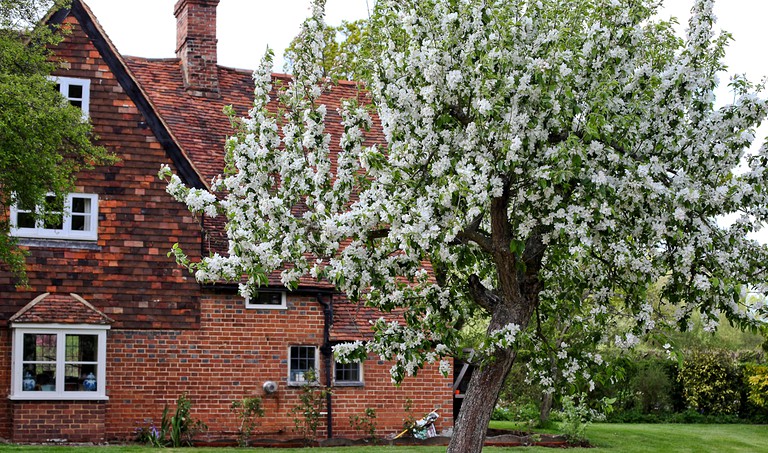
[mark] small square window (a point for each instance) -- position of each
(272, 300)
(302, 365)
(75, 91)
(348, 373)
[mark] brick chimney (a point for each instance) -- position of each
(196, 45)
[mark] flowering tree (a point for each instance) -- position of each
(541, 156)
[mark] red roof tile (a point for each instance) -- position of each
(354, 321)
(60, 309)
(199, 123)
(200, 126)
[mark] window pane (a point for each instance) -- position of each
(39, 378)
(347, 372)
(53, 205)
(266, 298)
(81, 205)
(53, 222)
(81, 223)
(25, 220)
(39, 347)
(81, 348)
(80, 378)
(302, 361)
(78, 104)
(75, 91)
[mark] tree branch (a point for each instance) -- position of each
(472, 233)
(482, 295)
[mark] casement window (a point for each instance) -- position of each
(76, 217)
(348, 374)
(51, 362)
(76, 91)
(271, 300)
(302, 365)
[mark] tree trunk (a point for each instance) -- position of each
(548, 398)
(483, 392)
(546, 408)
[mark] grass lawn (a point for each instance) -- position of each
(614, 438)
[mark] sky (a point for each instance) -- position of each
(147, 28)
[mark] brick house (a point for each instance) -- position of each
(110, 329)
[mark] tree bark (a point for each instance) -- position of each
(511, 302)
(546, 408)
(483, 392)
(548, 398)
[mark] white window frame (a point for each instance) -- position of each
(66, 82)
(283, 299)
(291, 380)
(60, 330)
(66, 231)
(343, 383)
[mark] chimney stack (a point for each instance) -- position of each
(196, 45)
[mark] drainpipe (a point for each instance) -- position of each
(327, 352)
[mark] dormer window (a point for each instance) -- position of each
(76, 91)
(76, 218)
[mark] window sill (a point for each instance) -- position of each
(58, 397)
(59, 243)
(349, 384)
(302, 384)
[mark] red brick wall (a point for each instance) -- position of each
(46, 421)
(129, 276)
(235, 351)
(5, 384)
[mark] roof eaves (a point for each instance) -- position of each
(92, 308)
(28, 307)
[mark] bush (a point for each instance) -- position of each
(711, 383)
(247, 410)
(756, 380)
(176, 430)
(524, 412)
(365, 423)
(652, 388)
(307, 414)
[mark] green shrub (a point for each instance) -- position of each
(307, 414)
(651, 387)
(175, 430)
(247, 410)
(711, 383)
(365, 423)
(756, 380)
(523, 412)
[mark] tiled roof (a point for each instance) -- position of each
(200, 126)
(199, 123)
(60, 309)
(353, 321)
